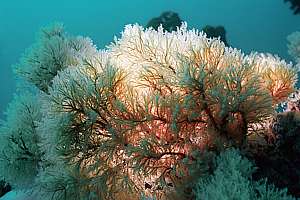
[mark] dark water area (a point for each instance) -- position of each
(257, 25)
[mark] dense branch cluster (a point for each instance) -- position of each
(139, 118)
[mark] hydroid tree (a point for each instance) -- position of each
(145, 116)
(232, 180)
(294, 46)
(19, 150)
(54, 51)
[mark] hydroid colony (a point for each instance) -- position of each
(143, 118)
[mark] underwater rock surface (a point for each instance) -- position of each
(169, 21)
(295, 6)
(4, 188)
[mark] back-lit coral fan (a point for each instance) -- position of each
(136, 119)
(278, 77)
(154, 58)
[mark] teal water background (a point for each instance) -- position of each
(258, 25)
